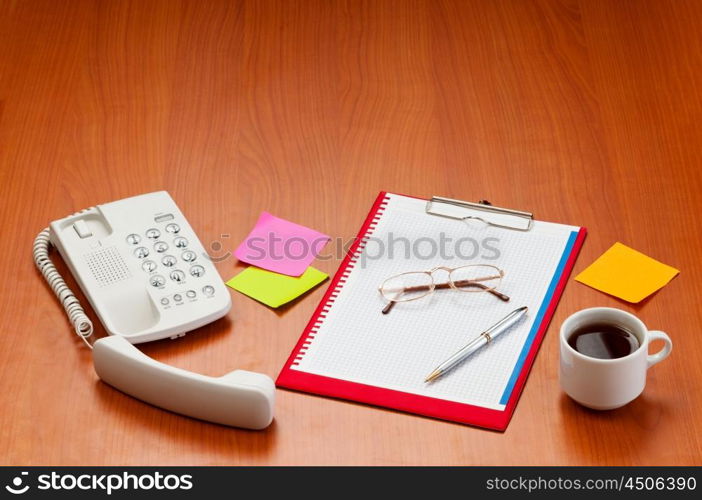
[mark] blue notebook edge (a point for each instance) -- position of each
(507, 393)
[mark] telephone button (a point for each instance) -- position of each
(177, 275)
(133, 239)
(180, 242)
(81, 227)
(188, 256)
(178, 297)
(165, 301)
(190, 294)
(208, 290)
(141, 252)
(153, 233)
(173, 228)
(149, 266)
(157, 280)
(197, 271)
(160, 246)
(168, 261)
(163, 218)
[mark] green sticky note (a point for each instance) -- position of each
(274, 289)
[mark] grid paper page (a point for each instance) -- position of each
(396, 351)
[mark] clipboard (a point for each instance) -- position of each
(346, 351)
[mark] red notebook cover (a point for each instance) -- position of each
(290, 378)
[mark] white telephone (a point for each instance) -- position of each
(148, 277)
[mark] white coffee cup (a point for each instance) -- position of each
(605, 384)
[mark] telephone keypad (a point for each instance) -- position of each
(174, 275)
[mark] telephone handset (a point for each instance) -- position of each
(147, 276)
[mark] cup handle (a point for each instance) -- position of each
(663, 353)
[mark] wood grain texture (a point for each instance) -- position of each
(585, 112)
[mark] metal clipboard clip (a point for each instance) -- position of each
(482, 211)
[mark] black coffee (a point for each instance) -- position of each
(603, 341)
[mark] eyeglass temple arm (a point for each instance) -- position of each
(497, 294)
(460, 283)
(387, 308)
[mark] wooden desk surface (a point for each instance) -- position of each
(585, 112)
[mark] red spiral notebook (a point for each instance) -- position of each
(349, 350)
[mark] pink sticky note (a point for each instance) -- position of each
(281, 246)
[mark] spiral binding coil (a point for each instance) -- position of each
(333, 293)
(81, 323)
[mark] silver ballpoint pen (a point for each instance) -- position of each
(483, 339)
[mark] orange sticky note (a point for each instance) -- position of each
(627, 274)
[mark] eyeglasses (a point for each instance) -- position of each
(418, 284)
